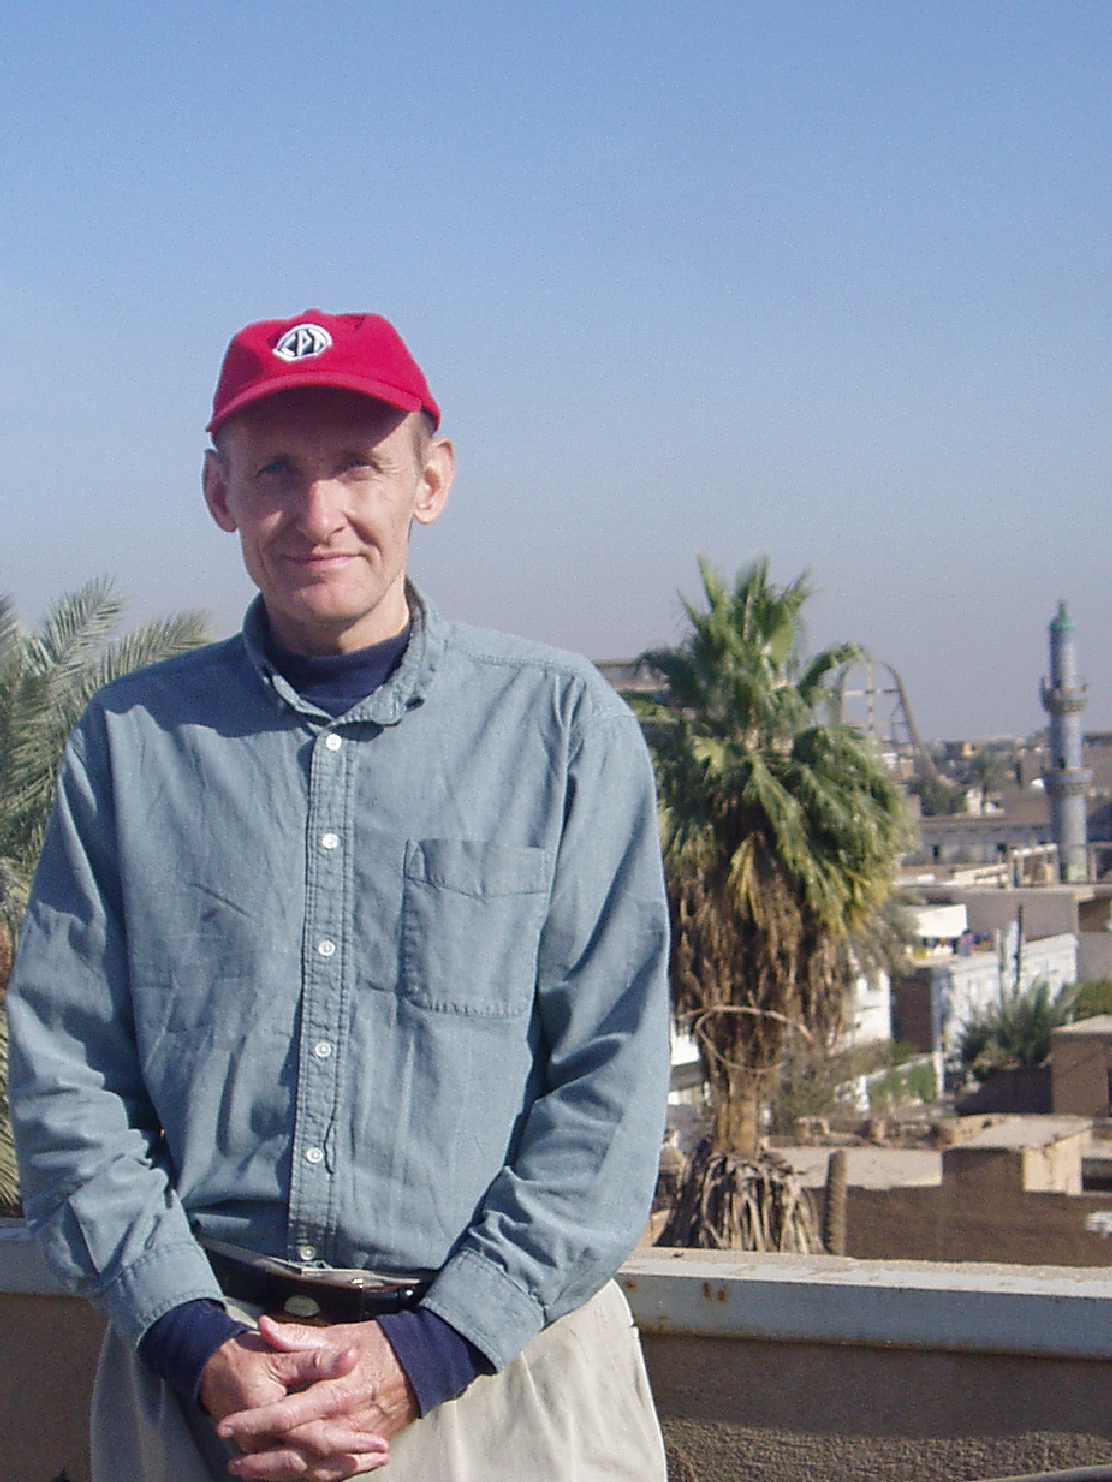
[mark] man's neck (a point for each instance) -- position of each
(317, 641)
(336, 683)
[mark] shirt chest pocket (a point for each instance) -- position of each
(472, 914)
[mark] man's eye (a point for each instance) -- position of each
(277, 469)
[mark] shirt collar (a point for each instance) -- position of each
(403, 691)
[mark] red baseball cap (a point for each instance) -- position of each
(353, 352)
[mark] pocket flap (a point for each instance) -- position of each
(473, 867)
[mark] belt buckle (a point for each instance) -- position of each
(300, 1307)
(304, 1306)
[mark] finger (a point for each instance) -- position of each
(287, 1337)
(326, 1438)
(285, 1464)
(322, 1401)
(338, 1467)
(313, 1365)
(282, 1464)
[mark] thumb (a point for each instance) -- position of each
(291, 1337)
(307, 1366)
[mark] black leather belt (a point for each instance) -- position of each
(355, 1298)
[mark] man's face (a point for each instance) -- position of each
(322, 486)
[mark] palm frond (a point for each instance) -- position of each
(75, 627)
(160, 639)
(11, 634)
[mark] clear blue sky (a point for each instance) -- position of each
(827, 280)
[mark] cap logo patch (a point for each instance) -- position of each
(303, 342)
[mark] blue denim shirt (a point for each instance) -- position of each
(385, 992)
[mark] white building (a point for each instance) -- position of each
(952, 981)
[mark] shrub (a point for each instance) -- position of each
(1016, 1031)
(1093, 999)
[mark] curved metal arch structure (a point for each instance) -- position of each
(888, 716)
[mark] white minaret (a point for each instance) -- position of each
(1067, 782)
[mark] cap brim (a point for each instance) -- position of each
(405, 401)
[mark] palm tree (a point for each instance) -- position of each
(781, 837)
(47, 677)
(988, 771)
(1017, 1030)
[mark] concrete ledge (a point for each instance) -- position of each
(1040, 1311)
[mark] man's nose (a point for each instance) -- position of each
(320, 512)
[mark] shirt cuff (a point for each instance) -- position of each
(438, 1362)
(177, 1347)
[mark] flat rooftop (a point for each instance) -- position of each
(1098, 1024)
(1027, 1132)
(868, 1167)
(910, 1168)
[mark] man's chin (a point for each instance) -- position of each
(318, 628)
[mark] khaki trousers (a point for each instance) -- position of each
(574, 1406)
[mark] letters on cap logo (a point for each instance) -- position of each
(303, 342)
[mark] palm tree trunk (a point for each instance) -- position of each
(731, 1203)
(737, 1108)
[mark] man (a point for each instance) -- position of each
(342, 994)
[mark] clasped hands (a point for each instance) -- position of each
(301, 1402)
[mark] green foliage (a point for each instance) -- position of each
(808, 1083)
(808, 1079)
(904, 1084)
(989, 769)
(1016, 1031)
(781, 835)
(1093, 999)
(937, 796)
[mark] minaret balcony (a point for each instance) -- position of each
(1064, 699)
(1073, 784)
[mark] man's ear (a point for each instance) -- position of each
(436, 480)
(214, 481)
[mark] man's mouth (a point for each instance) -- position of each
(323, 560)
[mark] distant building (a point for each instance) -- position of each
(1081, 1068)
(869, 1010)
(631, 676)
(953, 977)
(1019, 832)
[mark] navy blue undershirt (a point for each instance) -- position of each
(438, 1362)
(336, 682)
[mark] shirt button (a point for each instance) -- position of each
(329, 841)
(306, 1252)
(326, 948)
(314, 1155)
(322, 1050)
(332, 741)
